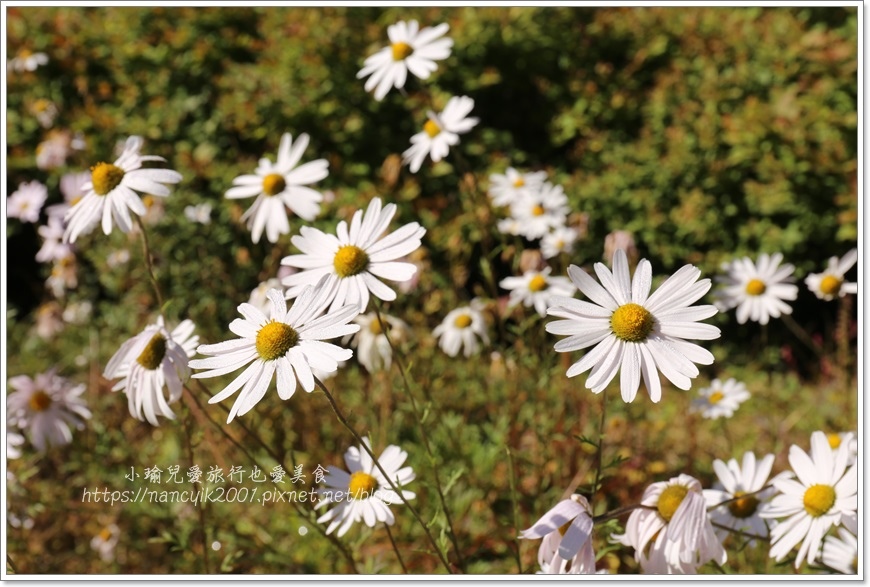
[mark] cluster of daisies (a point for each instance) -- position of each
(679, 526)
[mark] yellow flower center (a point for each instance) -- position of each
(106, 177)
(105, 534)
(41, 105)
(755, 287)
(818, 499)
(670, 500)
(632, 322)
(153, 353)
(715, 397)
(537, 283)
(538, 210)
(39, 401)
(275, 339)
(362, 485)
(274, 184)
(743, 507)
(432, 129)
(519, 182)
(462, 321)
(834, 440)
(350, 260)
(830, 285)
(401, 50)
(375, 327)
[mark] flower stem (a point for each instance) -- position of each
(197, 487)
(395, 548)
(146, 252)
(514, 507)
(365, 447)
(600, 452)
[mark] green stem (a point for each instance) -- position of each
(514, 505)
(395, 548)
(196, 487)
(600, 452)
(146, 252)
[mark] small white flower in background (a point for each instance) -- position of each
(541, 212)
(841, 554)
(54, 150)
(355, 260)
(259, 295)
(512, 226)
(847, 441)
(410, 50)
(566, 530)
(741, 487)
(634, 332)
(118, 258)
(756, 290)
(26, 60)
(677, 529)
(46, 408)
(64, 276)
(289, 343)
(106, 541)
(440, 132)
(110, 195)
(71, 188)
(48, 320)
(559, 240)
(14, 442)
(26, 202)
(461, 328)
(45, 111)
(150, 361)
(53, 248)
(362, 493)
(279, 186)
(823, 495)
(200, 213)
(507, 188)
(621, 239)
(537, 288)
(78, 312)
(372, 347)
(721, 399)
(831, 283)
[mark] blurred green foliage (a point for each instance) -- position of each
(707, 133)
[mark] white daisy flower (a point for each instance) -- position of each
(720, 400)
(537, 288)
(362, 493)
(841, 554)
(278, 186)
(27, 60)
(676, 520)
(287, 342)
(14, 442)
(846, 441)
(201, 213)
(26, 202)
(633, 331)
(736, 481)
(559, 240)
(541, 212)
(106, 541)
(823, 495)
(566, 530)
(53, 248)
(372, 347)
(409, 50)
(110, 193)
(757, 291)
(149, 361)
(507, 188)
(46, 407)
(440, 132)
(831, 283)
(461, 328)
(355, 259)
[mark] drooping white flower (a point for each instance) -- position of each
(411, 50)
(355, 259)
(537, 288)
(46, 408)
(279, 186)
(720, 399)
(440, 132)
(841, 553)
(823, 495)
(14, 441)
(26, 202)
(461, 329)
(372, 347)
(507, 188)
(148, 362)
(566, 530)
(110, 195)
(53, 248)
(756, 290)
(362, 493)
(634, 332)
(286, 346)
(831, 283)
